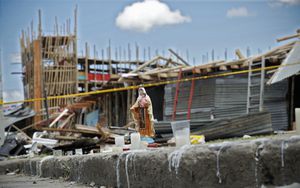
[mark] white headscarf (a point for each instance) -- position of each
(141, 92)
(143, 97)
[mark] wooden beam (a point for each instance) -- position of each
(68, 130)
(168, 75)
(58, 118)
(37, 78)
(142, 66)
(163, 70)
(289, 37)
(239, 54)
(146, 64)
(19, 130)
(145, 77)
(182, 60)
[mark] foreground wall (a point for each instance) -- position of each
(231, 164)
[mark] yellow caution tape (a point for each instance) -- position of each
(144, 85)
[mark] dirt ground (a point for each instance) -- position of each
(16, 181)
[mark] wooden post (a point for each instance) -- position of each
(137, 55)
(37, 78)
(129, 56)
(188, 56)
(86, 67)
(124, 109)
(117, 59)
(95, 78)
(109, 58)
(75, 49)
(102, 61)
(149, 53)
(107, 108)
(128, 118)
(116, 109)
(40, 24)
(110, 109)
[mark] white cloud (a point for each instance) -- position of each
(238, 12)
(289, 2)
(279, 3)
(143, 16)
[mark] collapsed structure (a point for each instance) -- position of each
(85, 95)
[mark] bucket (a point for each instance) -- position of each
(181, 132)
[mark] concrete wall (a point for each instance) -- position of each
(230, 164)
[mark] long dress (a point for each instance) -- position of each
(143, 117)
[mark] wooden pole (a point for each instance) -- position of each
(129, 56)
(37, 77)
(137, 54)
(75, 60)
(95, 67)
(110, 109)
(40, 24)
(176, 54)
(102, 61)
(109, 57)
(117, 109)
(128, 106)
(86, 67)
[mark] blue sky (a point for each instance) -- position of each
(210, 27)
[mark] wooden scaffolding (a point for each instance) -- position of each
(49, 65)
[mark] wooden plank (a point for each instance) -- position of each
(168, 75)
(87, 128)
(68, 130)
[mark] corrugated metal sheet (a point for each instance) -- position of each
(203, 100)
(226, 97)
(288, 69)
(250, 124)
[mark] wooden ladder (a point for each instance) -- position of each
(252, 86)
